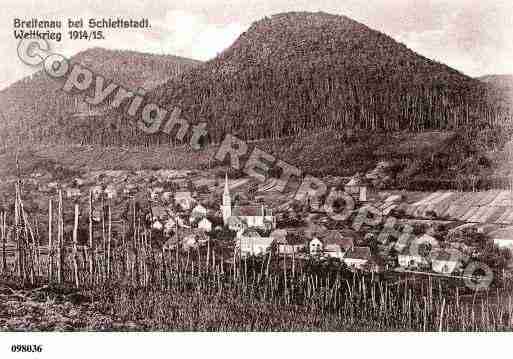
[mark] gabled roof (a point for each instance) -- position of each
(250, 211)
(363, 253)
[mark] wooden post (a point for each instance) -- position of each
(19, 248)
(60, 235)
(109, 238)
(75, 243)
(4, 235)
(50, 243)
(91, 235)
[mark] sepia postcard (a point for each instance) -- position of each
(301, 170)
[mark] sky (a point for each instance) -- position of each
(473, 37)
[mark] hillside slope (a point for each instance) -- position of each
(37, 108)
(297, 71)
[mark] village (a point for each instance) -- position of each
(187, 210)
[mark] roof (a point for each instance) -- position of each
(250, 232)
(452, 255)
(250, 211)
(363, 253)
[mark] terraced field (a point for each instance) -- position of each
(476, 207)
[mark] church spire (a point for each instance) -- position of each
(226, 188)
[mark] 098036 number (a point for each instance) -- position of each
(26, 348)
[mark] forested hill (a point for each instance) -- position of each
(297, 71)
(38, 109)
(287, 74)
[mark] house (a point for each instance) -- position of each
(406, 259)
(446, 261)
(287, 243)
(250, 242)
(331, 243)
(205, 225)
(253, 216)
(184, 200)
(315, 246)
(199, 211)
(335, 244)
(358, 257)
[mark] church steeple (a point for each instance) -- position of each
(226, 192)
(226, 208)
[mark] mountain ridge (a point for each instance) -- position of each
(37, 102)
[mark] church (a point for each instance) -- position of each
(239, 218)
